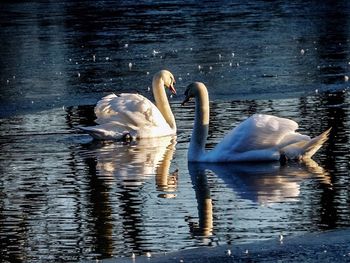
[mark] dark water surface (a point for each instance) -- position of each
(64, 197)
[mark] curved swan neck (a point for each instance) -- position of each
(201, 125)
(162, 101)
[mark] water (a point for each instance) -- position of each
(64, 197)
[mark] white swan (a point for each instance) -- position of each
(133, 115)
(259, 138)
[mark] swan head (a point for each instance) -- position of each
(192, 91)
(168, 79)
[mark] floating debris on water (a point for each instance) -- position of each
(281, 238)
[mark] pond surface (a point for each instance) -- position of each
(64, 197)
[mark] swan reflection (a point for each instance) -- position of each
(118, 175)
(130, 165)
(261, 183)
(264, 182)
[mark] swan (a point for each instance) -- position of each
(261, 137)
(130, 115)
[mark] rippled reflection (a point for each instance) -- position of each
(66, 196)
(262, 183)
(237, 198)
(118, 173)
(132, 164)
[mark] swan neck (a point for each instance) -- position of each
(201, 127)
(162, 101)
(162, 170)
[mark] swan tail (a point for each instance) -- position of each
(315, 144)
(304, 149)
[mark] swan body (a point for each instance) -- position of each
(133, 115)
(261, 137)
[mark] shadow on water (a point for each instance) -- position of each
(337, 116)
(100, 212)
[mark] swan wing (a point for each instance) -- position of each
(261, 132)
(130, 113)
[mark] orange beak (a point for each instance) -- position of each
(172, 89)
